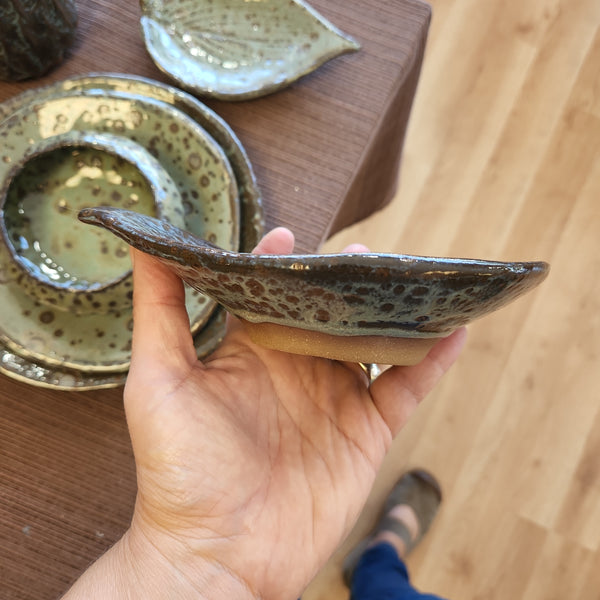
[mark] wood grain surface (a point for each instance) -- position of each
(502, 161)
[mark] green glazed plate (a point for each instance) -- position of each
(206, 184)
(38, 373)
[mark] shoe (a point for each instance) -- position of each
(419, 490)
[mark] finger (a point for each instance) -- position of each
(161, 329)
(356, 248)
(278, 241)
(398, 391)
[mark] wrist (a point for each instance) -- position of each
(166, 569)
(135, 569)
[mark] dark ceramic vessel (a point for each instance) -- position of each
(34, 36)
(339, 294)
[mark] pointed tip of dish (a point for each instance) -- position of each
(101, 216)
(90, 215)
(351, 44)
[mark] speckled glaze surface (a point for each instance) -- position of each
(59, 377)
(22, 365)
(339, 294)
(188, 153)
(101, 342)
(34, 36)
(235, 49)
(60, 263)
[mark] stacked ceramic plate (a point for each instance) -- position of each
(111, 140)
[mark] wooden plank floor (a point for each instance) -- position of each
(502, 161)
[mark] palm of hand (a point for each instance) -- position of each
(276, 443)
(254, 458)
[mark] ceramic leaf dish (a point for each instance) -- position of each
(237, 50)
(340, 295)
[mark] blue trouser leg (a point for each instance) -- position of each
(381, 575)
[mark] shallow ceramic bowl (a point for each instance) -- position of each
(55, 258)
(382, 295)
(21, 365)
(235, 49)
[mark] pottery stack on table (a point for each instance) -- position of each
(118, 141)
(131, 143)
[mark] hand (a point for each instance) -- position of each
(253, 465)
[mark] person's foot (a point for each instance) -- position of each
(406, 516)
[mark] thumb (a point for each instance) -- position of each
(162, 342)
(278, 241)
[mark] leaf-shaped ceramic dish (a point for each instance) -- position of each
(235, 49)
(357, 304)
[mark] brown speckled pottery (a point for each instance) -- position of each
(237, 50)
(55, 259)
(339, 294)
